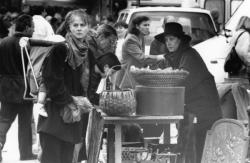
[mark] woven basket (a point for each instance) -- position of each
(159, 79)
(135, 154)
(118, 102)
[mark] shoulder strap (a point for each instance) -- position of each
(238, 38)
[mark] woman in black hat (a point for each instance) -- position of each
(201, 96)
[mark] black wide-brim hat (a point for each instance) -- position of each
(109, 59)
(175, 29)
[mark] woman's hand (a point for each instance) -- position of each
(23, 41)
(160, 58)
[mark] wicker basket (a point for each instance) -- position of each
(118, 102)
(159, 79)
(135, 154)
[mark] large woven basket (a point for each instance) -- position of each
(118, 102)
(159, 79)
(137, 154)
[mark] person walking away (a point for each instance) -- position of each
(63, 71)
(12, 89)
(201, 96)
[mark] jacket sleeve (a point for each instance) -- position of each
(133, 48)
(53, 75)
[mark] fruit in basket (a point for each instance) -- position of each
(170, 70)
(167, 77)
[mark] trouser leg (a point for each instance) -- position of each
(55, 150)
(67, 152)
(200, 141)
(24, 130)
(200, 134)
(7, 116)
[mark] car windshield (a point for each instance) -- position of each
(198, 25)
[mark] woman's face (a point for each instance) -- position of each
(78, 27)
(144, 27)
(172, 43)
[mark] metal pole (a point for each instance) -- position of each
(138, 3)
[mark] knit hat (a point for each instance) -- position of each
(175, 29)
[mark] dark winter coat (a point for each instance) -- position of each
(62, 82)
(94, 53)
(11, 70)
(201, 95)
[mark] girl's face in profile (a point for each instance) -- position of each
(172, 43)
(144, 27)
(78, 27)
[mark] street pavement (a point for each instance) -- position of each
(10, 151)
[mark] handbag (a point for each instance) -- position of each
(73, 111)
(233, 63)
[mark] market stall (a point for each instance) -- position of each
(156, 98)
(116, 155)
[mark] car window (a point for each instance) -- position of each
(121, 17)
(125, 16)
(198, 25)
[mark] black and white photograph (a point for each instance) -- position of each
(124, 81)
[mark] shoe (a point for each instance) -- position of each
(31, 157)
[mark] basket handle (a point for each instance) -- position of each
(115, 79)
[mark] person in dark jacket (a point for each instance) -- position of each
(12, 89)
(201, 96)
(65, 74)
(102, 44)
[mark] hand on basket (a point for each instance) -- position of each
(23, 41)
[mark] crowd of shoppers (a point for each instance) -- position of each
(74, 66)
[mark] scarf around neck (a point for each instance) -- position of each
(174, 57)
(77, 50)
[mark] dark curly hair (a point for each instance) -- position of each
(22, 22)
(136, 21)
(106, 30)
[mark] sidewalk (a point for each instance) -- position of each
(10, 151)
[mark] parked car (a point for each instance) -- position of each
(214, 50)
(198, 23)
